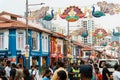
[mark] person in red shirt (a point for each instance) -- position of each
(98, 74)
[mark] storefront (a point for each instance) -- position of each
(3, 55)
(56, 49)
(35, 58)
(53, 49)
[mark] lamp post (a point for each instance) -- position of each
(27, 45)
(27, 5)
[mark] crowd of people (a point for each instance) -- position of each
(59, 71)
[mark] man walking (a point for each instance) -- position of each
(61, 66)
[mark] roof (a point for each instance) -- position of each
(8, 23)
(10, 14)
(5, 19)
(20, 24)
(58, 35)
(87, 48)
(77, 43)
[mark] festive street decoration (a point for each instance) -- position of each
(114, 44)
(41, 14)
(78, 31)
(109, 8)
(85, 34)
(97, 13)
(38, 14)
(116, 33)
(104, 44)
(100, 33)
(49, 17)
(72, 14)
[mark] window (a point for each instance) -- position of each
(35, 40)
(1, 40)
(13, 18)
(45, 43)
(88, 53)
(20, 40)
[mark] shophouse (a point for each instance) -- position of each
(13, 41)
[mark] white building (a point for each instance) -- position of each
(88, 23)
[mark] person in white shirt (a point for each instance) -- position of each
(116, 73)
(8, 69)
(36, 73)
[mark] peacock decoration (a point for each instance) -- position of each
(97, 13)
(85, 34)
(104, 44)
(49, 17)
(116, 33)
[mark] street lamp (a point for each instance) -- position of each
(27, 45)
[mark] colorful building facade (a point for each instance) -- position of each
(13, 41)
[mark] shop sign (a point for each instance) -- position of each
(18, 52)
(53, 55)
(3, 53)
(34, 54)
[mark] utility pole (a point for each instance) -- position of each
(27, 45)
(27, 52)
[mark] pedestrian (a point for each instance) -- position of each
(86, 72)
(36, 74)
(94, 73)
(19, 72)
(27, 75)
(116, 73)
(105, 72)
(3, 77)
(75, 72)
(51, 69)
(8, 69)
(70, 73)
(31, 70)
(54, 66)
(46, 75)
(62, 75)
(61, 66)
(13, 71)
(97, 74)
(1, 67)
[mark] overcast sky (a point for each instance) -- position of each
(18, 7)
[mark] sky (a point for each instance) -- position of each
(18, 7)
